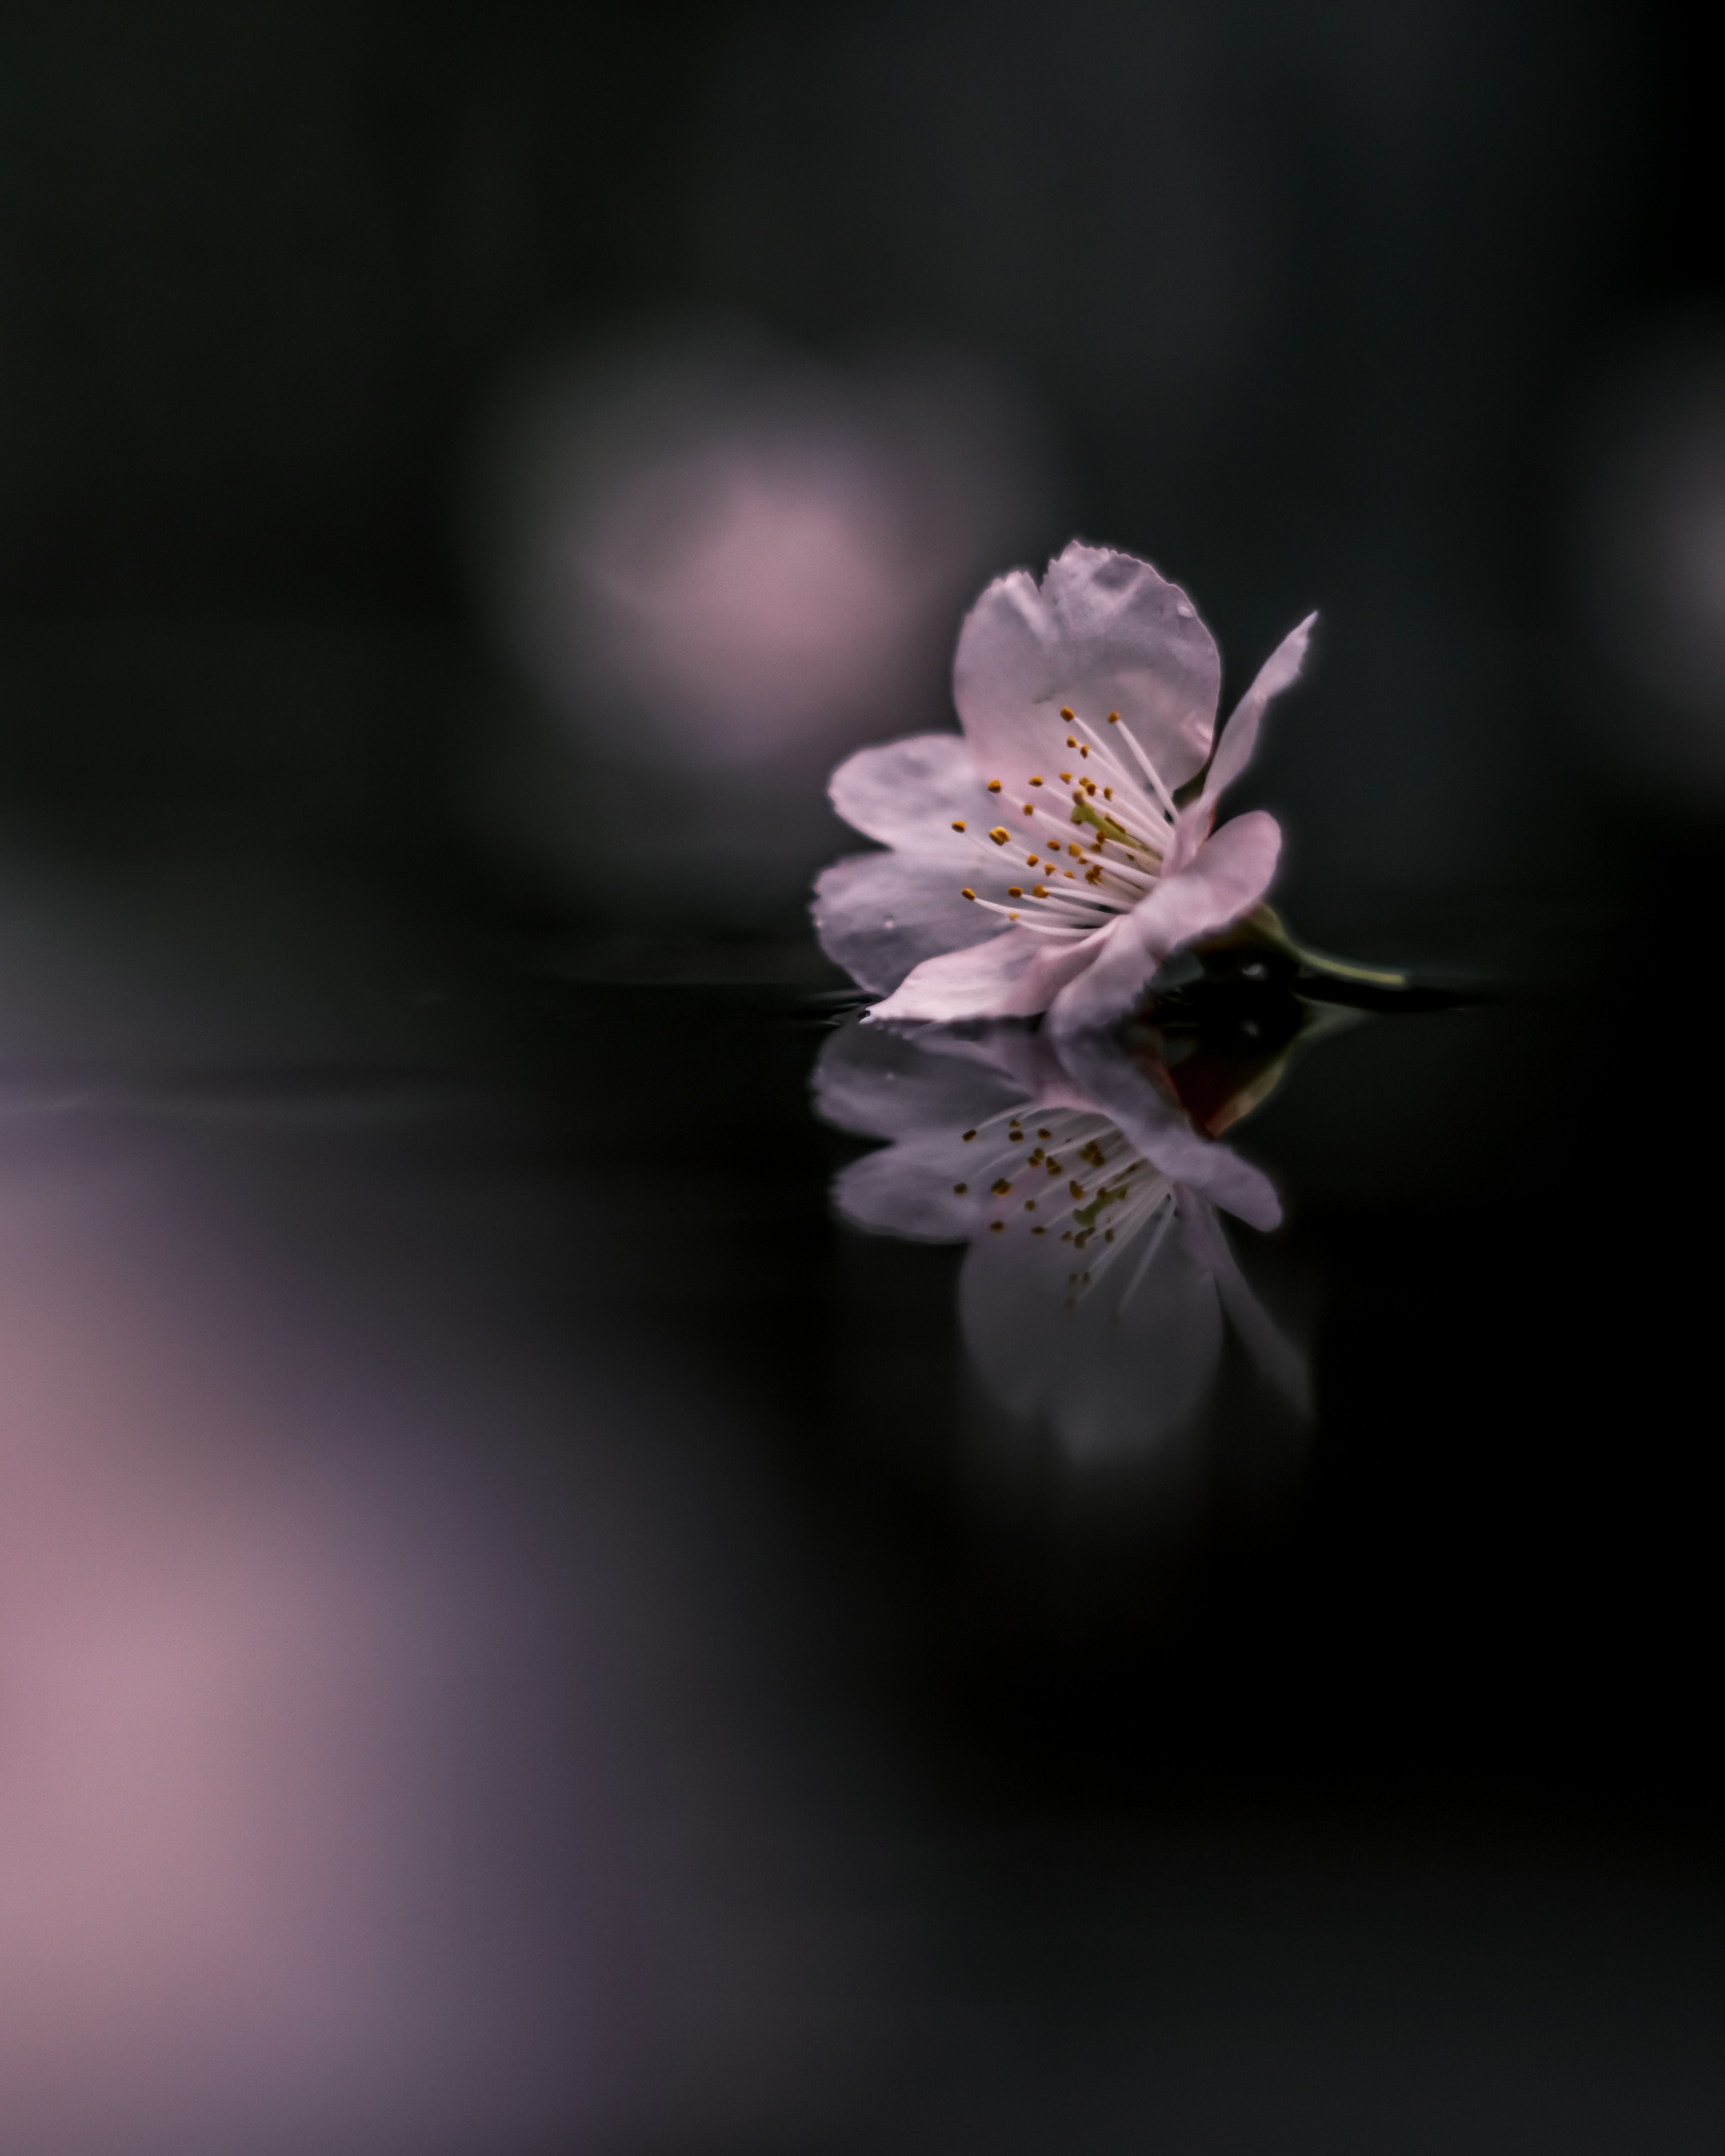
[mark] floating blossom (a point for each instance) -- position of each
(1098, 1288)
(1044, 859)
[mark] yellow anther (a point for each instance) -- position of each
(1000, 835)
(1036, 782)
(1029, 1205)
(1107, 795)
(1001, 1186)
(1039, 891)
(961, 1189)
(993, 786)
(1014, 891)
(967, 892)
(959, 824)
(996, 1227)
(1038, 1231)
(1085, 750)
(1054, 1166)
(1076, 1188)
(1044, 1134)
(969, 1136)
(1029, 809)
(1067, 711)
(1114, 718)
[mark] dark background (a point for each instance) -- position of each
(1306, 293)
(1313, 298)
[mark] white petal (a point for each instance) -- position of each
(1103, 632)
(881, 915)
(1240, 738)
(1226, 879)
(885, 1083)
(1162, 1130)
(1015, 976)
(1125, 1367)
(907, 793)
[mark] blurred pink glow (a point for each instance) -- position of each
(754, 592)
(222, 1669)
(706, 547)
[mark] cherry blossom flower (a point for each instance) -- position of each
(1044, 859)
(1098, 1285)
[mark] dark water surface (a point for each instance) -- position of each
(532, 1621)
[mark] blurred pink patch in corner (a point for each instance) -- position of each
(228, 1673)
(722, 563)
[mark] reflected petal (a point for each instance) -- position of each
(1096, 1306)
(1029, 1054)
(1162, 1130)
(1126, 1365)
(909, 1189)
(883, 1083)
(1275, 1354)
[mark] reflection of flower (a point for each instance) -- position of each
(1044, 861)
(1096, 1284)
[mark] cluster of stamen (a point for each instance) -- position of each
(1125, 818)
(1072, 1174)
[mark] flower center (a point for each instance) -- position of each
(1124, 817)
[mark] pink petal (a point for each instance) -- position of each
(907, 793)
(1103, 632)
(1240, 738)
(1230, 873)
(1015, 976)
(881, 915)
